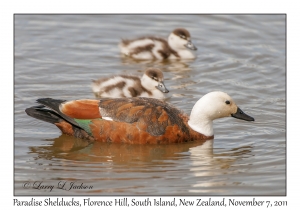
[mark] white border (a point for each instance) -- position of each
(8, 8)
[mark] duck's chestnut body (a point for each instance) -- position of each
(128, 120)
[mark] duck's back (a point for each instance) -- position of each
(143, 121)
(146, 48)
(118, 87)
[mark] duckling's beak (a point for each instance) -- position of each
(161, 86)
(190, 45)
(241, 115)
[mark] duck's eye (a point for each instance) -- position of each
(155, 78)
(227, 102)
(183, 37)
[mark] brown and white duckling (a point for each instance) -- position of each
(177, 46)
(150, 85)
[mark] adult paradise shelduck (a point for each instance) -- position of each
(150, 85)
(137, 120)
(178, 46)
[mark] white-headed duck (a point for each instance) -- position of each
(137, 120)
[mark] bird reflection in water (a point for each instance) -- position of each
(132, 165)
(199, 152)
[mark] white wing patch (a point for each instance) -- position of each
(107, 118)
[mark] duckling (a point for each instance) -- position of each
(177, 46)
(150, 85)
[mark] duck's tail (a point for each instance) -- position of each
(42, 113)
(54, 116)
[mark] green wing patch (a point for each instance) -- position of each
(85, 124)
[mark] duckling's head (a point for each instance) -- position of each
(212, 106)
(154, 79)
(180, 39)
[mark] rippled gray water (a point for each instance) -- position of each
(244, 55)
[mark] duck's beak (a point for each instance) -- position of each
(190, 45)
(241, 115)
(161, 86)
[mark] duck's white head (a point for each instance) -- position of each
(154, 79)
(212, 106)
(180, 39)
